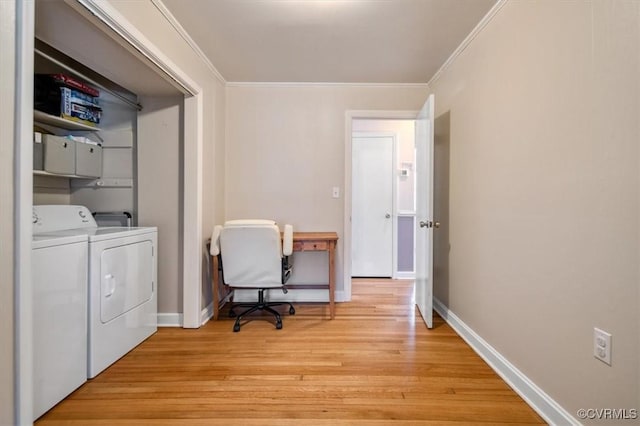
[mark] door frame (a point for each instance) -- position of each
(394, 192)
(350, 115)
(24, 30)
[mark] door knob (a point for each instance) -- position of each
(429, 224)
(387, 215)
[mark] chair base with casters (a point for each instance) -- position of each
(261, 305)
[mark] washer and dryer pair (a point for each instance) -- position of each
(95, 297)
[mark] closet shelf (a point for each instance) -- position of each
(43, 173)
(42, 117)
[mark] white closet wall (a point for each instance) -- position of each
(117, 190)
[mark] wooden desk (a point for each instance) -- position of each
(302, 241)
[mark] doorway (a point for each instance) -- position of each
(422, 204)
(382, 197)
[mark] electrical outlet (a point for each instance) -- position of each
(602, 345)
(335, 192)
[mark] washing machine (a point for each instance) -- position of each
(122, 285)
(59, 265)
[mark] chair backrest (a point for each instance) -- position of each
(251, 253)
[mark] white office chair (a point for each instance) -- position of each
(253, 255)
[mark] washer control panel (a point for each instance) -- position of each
(49, 218)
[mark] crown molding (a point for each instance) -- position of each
(467, 41)
(187, 38)
(267, 84)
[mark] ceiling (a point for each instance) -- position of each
(342, 41)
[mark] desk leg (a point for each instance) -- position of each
(332, 279)
(216, 287)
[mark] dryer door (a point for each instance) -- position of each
(126, 278)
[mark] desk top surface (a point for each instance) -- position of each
(324, 236)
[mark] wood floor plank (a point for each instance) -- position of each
(374, 363)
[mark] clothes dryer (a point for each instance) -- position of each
(122, 284)
(123, 303)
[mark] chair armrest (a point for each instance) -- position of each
(215, 240)
(287, 240)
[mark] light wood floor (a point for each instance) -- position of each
(376, 363)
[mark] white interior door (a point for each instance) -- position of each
(372, 207)
(424, 211)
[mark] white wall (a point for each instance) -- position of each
(214, 179)
(51, 190)
(544, 111)
(119, 139)
(159, 189)
(159, 200)
(285, 151)
(7, 185)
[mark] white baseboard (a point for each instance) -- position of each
(206, 314)
(542, 403)
(175, 319)
(293, 296)
(170, 320)
(405, 275)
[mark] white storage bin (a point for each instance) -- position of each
(88, 160)
(59, 155)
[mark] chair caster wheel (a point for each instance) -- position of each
(232, 314)
(279, 325)
(236, 327)
(292, 311)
